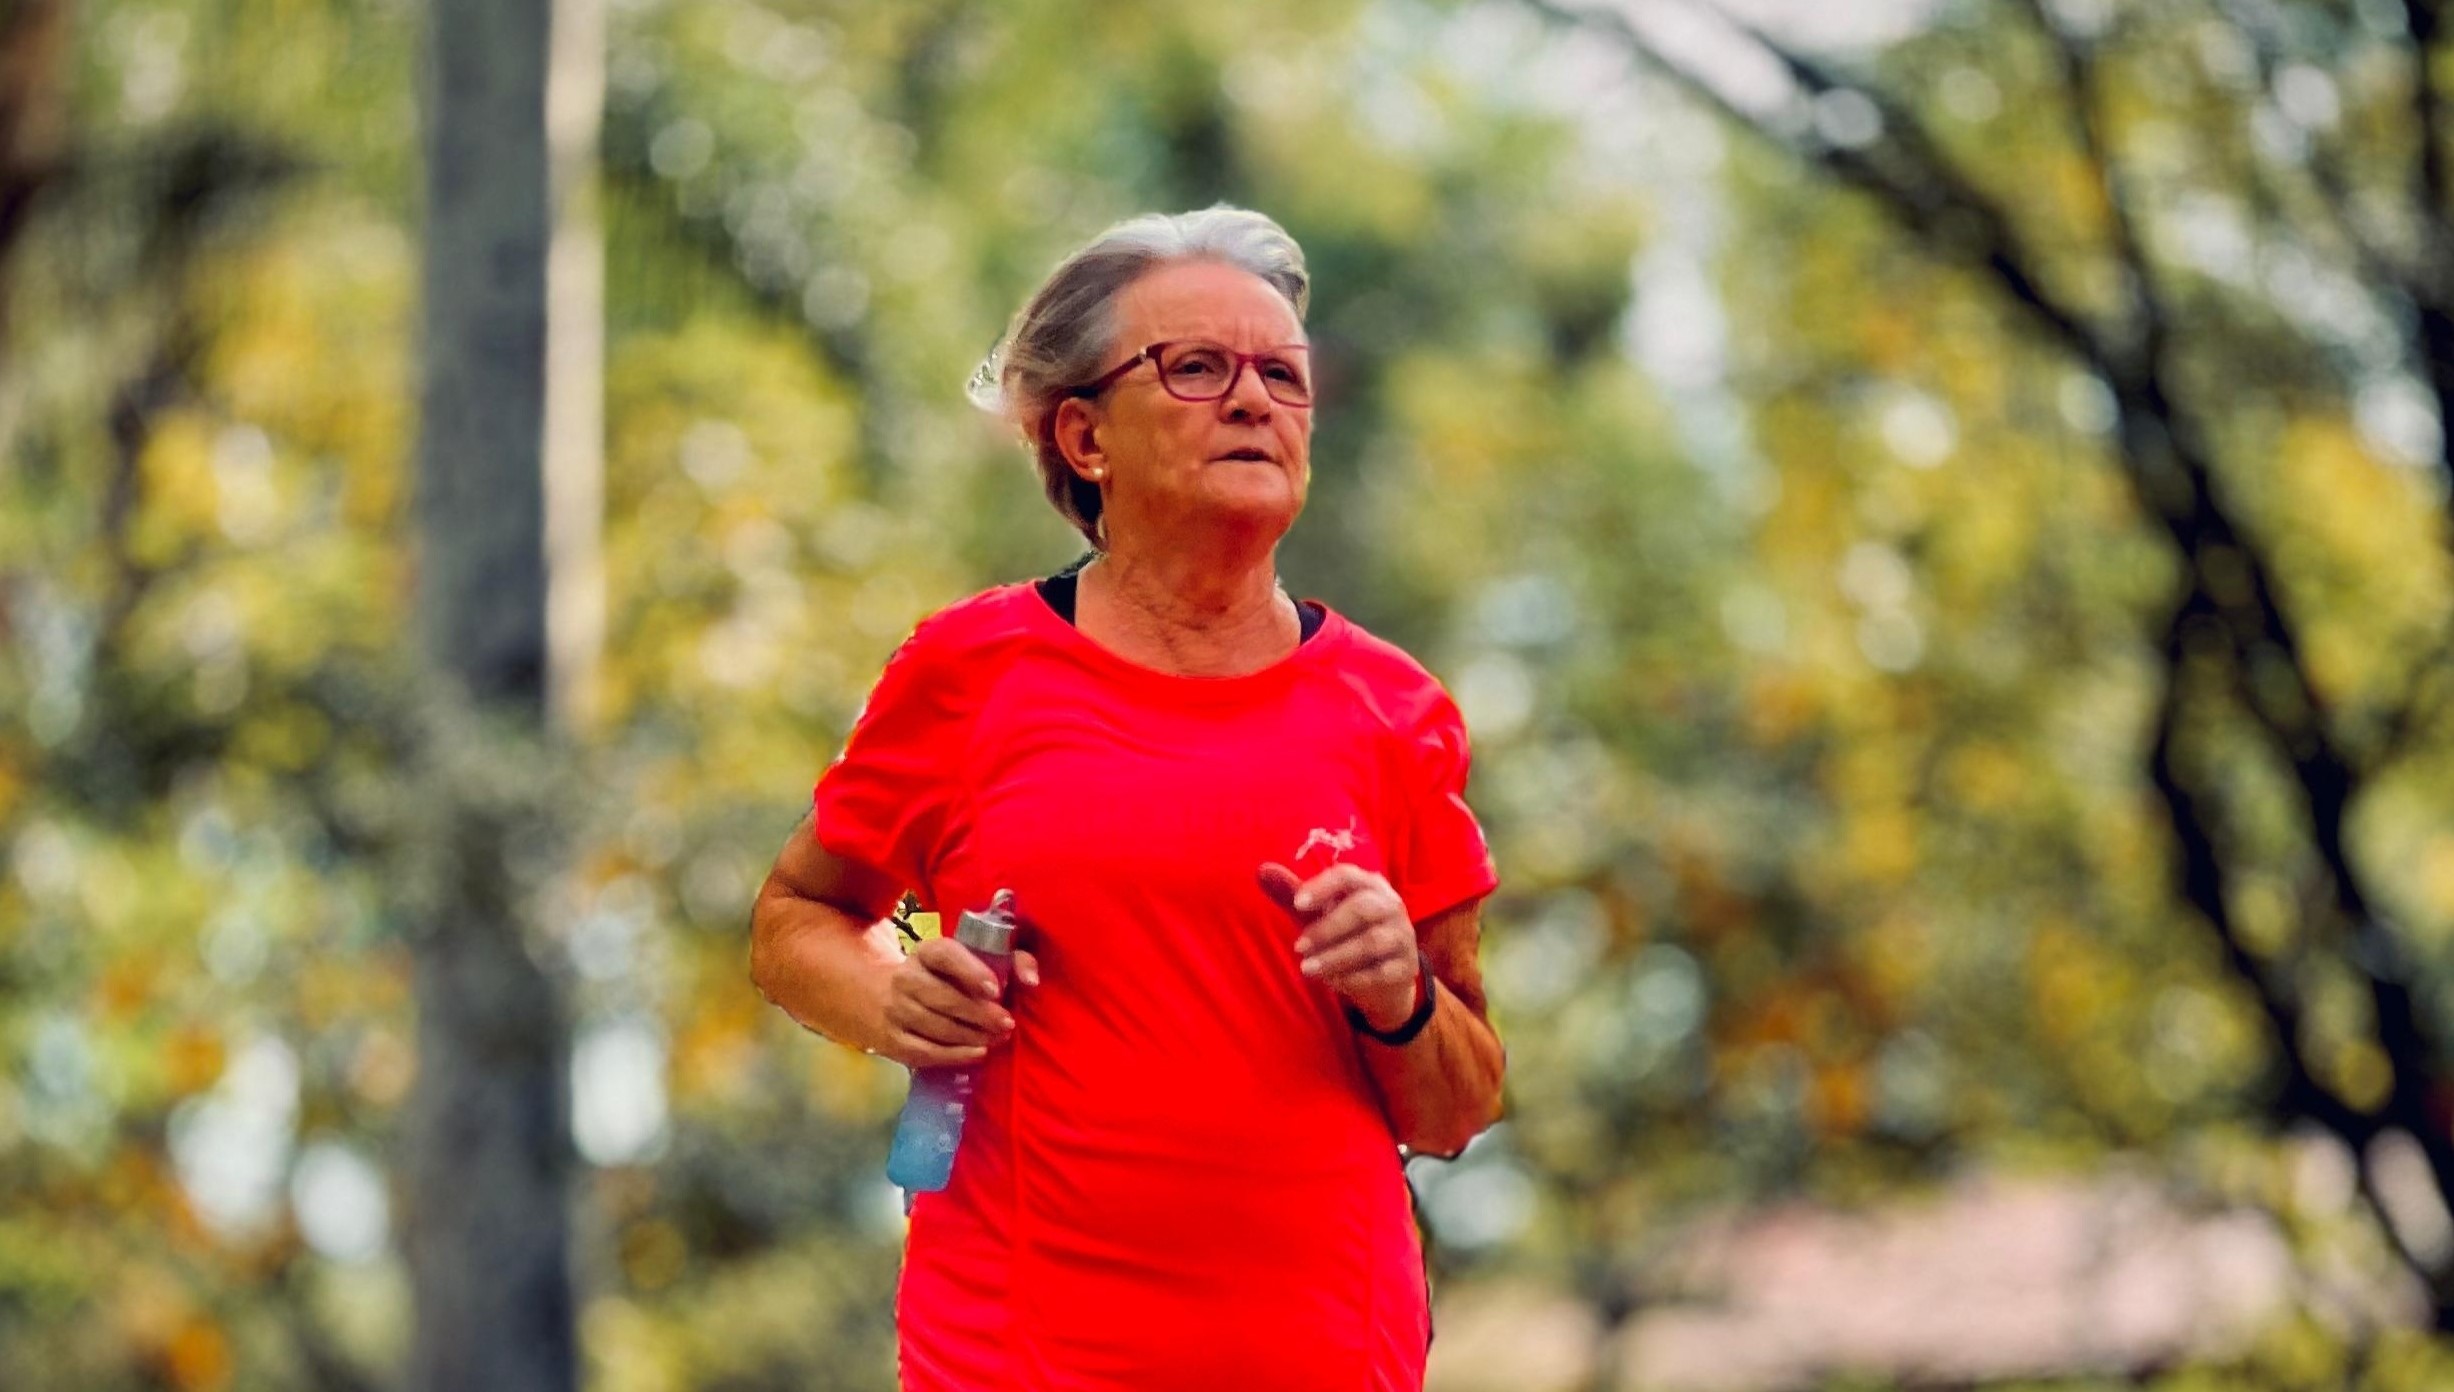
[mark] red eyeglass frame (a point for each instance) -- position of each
(1151, 353)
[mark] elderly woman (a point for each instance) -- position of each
(1234, 827)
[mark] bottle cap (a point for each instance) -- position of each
(990, 929)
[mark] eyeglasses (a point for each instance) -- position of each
(1197, 370)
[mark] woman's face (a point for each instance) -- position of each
(1175, 468)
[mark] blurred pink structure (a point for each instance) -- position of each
(1993, 1280)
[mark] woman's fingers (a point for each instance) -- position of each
(933, 1007)
(1326, 890)
(913, 1052)
(941, 997)
(1355, 910)
(1356, 936)
(953, 962)
(938, 1026)
(942, 1005)
(1380, 946)
(1280, 884)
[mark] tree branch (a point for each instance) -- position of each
(2433, 300)
(2229, 585)
(2170, 467)
(2144, 313)
(2199, 874)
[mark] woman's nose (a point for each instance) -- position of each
(1247, 398)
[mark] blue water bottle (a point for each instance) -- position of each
(932, 1123)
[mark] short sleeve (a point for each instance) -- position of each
(1446, 861)
(884, 800)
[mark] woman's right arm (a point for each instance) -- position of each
(815, 955)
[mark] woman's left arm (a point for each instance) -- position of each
(1440, 1084)
(1441, 1088)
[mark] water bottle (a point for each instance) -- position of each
(932, 1123)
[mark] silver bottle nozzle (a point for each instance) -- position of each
(990, 929)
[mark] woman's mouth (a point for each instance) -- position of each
(1247, 455)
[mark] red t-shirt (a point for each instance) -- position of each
(1177, 1173)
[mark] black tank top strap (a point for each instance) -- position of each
(1061, 589)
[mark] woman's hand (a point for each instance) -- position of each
(1356, 938)
(942, 1007)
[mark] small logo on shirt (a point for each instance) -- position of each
(1336, 843)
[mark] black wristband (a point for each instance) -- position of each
(1413, 1024)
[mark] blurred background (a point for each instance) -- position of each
(1936, 512)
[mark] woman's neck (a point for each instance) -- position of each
(1186, 613)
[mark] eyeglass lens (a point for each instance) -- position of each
(1204, 371)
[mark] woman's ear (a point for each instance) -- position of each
(1075, 428)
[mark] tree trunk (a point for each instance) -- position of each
(489, 1152)
(33, 120)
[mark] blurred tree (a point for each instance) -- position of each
(490, 1158)
(33, 116)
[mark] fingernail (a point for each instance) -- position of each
(1303, 947)
(1006, 1025)
(1311, 967)
(1303, 901)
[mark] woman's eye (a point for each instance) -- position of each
(1195, 367)
(1281, 372)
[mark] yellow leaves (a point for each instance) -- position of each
(1469, 427)
(1891, 336)
(382, 1067)
(2359, 555)
(2360, 1071)
(653, 1254)
(160, 1320)
(2436, 877)
(2264, 915)
(109, 888)
(1707, 905)
(197, 1356)
(1839, 1098)
(192, 1058)
(288, 738)
(1881, 847)
(1985, 776)
(630, 1350)
(791, 426)
(1334, 176)
(1878, 830)
(1991, 539)
(2073, 982)
(1896, 955)
(852, 1085)
(714, 1051)
(138, 1182)
(180, 497)
(1779, 705)
(1474, 437)
(125, 987)
(313, 343)
(336, 986)
(1817, 1022)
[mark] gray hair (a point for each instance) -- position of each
(1067, 329)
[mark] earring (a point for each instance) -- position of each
(1094, 475)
